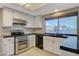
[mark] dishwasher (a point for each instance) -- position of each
(39, 41)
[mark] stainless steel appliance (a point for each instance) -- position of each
(22, 44)
(39, 41)
(21, 41)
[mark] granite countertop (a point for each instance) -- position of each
(39, 34)
(43, 34)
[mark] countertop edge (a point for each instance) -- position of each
(35, 34)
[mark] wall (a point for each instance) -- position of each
(62, 12)
(21, 27)
(1, 17)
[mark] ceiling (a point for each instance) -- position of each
(32, 6)
(39, 8)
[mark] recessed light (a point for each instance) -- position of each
(55, 10)
(27, 5)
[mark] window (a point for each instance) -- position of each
(65, 25)
(68, 25)
(51, 26)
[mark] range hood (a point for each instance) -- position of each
(19, 22)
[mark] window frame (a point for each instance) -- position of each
(62, 16)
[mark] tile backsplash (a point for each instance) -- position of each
(17, 27)
(23, 28)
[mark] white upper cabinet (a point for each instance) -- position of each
(28, 18)
(30, 22)
(7, 18)
(19, 15)
(9, 15)
(34, 22)
(38, 21)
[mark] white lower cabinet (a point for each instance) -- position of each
(31, 39)
(8, 46)
(52, 44)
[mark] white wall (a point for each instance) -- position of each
(0, 30)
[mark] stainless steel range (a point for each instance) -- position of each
(21, 42)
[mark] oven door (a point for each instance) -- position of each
(22, 44)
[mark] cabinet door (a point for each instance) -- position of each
(30, 22)
(49, 44)
(58, 42)
(7, 18)
(57, 48)
(8, 46)
(38, 22)
(4, 43)
(31, 39)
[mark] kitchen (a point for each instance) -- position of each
(22, 30)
